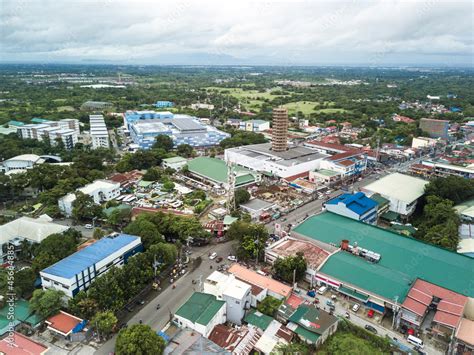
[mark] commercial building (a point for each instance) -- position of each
(21, 162)
(423, 142)
(201, 106)
(403, 191)
(175, 163)
(34, 230)
(424, 297)
(347, 164)
(324, 176)
(438, 169)
(100, 190)
(464, 337)
(201, 312)
(254, 125)
(256, 207)
(145, 126)
(273, 288)
(465, 211)
(235, 293)
(280, 129)
(214, 172)
(291, 162)
(356, 206)
(377, 267)
(98, 131)
(435, 128)
(288, 246)
(79, 270)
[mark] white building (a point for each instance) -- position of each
(260, 158)
(98, 131)
(346, 164)
(21, 162)
(77, 271)
(100, 190)
(255, 207)
(423, 142)
(199, 106)
(201, 312)
(30, 229)
(403, 191)
(254, 125)
(66, 130)
(175, 163)
(235, 293)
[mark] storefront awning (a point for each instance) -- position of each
(353, 293)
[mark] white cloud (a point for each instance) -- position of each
(276, 32)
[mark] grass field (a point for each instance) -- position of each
(250, 98)
(331, 110)
(306, 107)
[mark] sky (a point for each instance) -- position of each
(260, 32)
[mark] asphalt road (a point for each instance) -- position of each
(171, 299)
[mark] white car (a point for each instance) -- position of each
(231, 258)
(213, 256)
(88, 226)
(355, 307)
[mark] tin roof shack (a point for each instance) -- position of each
(240, 340)
(67, 326)
(256, 207)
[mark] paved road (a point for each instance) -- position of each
(170, 299)
(87, 233)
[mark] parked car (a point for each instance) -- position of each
(355, 307)
(219, 259)
(232, 258)
(213, 256)
(88, 226)
(370, 328)
(330, 303)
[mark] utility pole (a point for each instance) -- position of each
(395, 312)
(294, 278)
(231, 186)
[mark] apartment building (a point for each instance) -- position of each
(98, 131)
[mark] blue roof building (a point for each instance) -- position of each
(356, 206)
(145, 126)
(77, 271)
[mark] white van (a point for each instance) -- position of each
(322, 289)
(415, 341)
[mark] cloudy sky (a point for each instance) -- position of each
(301, 32)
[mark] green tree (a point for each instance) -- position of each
(84, 208)
(284, 268)
(241, 196)
(454, 188)
(54, 248)
(107, 291)
(440, 223)
(292, 348)
(104, 322)
(168, 186)
(185, 150)
(118, 217)
(251, 237)
(164, 253)
(145, 229)
(139, 339)
(47, 302)
(153, 174)
(98, 233)
(269, 306)
(164, 142)
(25, 282)
(83, 306)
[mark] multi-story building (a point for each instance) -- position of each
(79, 270)
(235, 293)
(346, 164)
(280, 129)
(435, 128)
(21, 162)
(98, 131)
(145, 126)
(163, 104)
(100, 190)
(254, 125)
(66, 130)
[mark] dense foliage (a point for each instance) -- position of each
(269, 306)
(286, 268)
(139, 339)
(251, 239)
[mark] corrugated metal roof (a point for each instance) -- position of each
(358, 202)
(403, 259)
(75, 263)
(200, 308)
